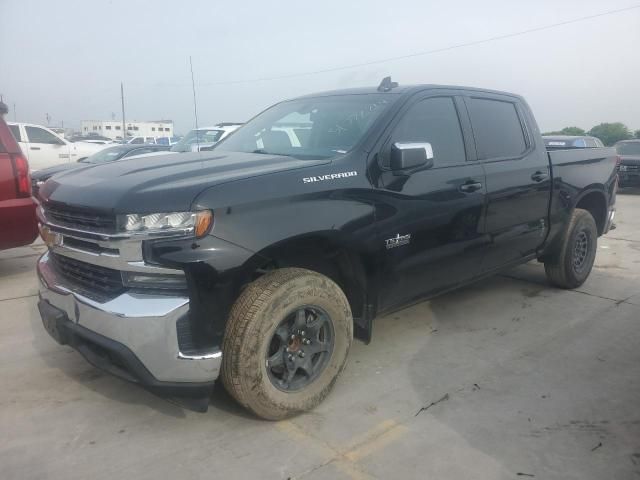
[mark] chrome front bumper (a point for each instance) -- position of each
(144, 323)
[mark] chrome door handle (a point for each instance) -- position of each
(539, 176)
(470, 187)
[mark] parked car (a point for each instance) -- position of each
(169, 141)
(44, 148)
(17, 209)
(563, 142)
(98, 139)
(140, 140)
(203, 139)
(629, 168)
(260, 260)
(110, 154)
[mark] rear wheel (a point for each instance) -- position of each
(572, 264)
(286, 342)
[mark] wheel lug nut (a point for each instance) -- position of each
(290, 358)
(301, 354)
(306, 341)
(293, 336)
(302, 333)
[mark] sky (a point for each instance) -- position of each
(67, 58)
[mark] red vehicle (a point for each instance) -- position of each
(18, 224)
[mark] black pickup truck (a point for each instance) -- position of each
(260, 260)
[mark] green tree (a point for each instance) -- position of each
(610, 133)
(637, 134)
(568, 131)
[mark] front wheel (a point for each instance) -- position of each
(572, 264)
(286, 342)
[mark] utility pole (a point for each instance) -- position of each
(14, 112)
(124, 132)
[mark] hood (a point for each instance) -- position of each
(45, 173)
(163, 183)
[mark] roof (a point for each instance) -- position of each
(403, 89)
(224, 127)
(27, 124)
(631, 140)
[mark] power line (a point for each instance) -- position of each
(426, 52)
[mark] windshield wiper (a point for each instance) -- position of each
(262, 151)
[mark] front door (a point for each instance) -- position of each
(429, 221)
(45, 149)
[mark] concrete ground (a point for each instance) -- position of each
(508, 379)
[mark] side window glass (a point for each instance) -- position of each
(39, 135)
(434, 121)
(496, 128)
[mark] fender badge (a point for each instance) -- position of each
(397, 241)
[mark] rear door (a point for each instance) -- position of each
(429, 221)
(45, 149)
(518, 178)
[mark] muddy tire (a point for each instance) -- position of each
(572, 264)
(286, 342)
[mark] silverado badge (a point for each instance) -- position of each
(397, 241)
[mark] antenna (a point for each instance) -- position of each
(195, 104)
(386, 85)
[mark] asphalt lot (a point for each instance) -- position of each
(508, 379)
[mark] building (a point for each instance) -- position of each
(113, 128)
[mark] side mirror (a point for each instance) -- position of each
(405, 156)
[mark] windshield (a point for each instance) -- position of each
(107, 155)
(194, 137)
(310, 128)
(628, 148)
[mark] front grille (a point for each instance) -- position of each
(81, 219)
(87, 276)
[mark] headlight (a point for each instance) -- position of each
(197, 223)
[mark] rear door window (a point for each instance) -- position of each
(497, 129)
(15, 130)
